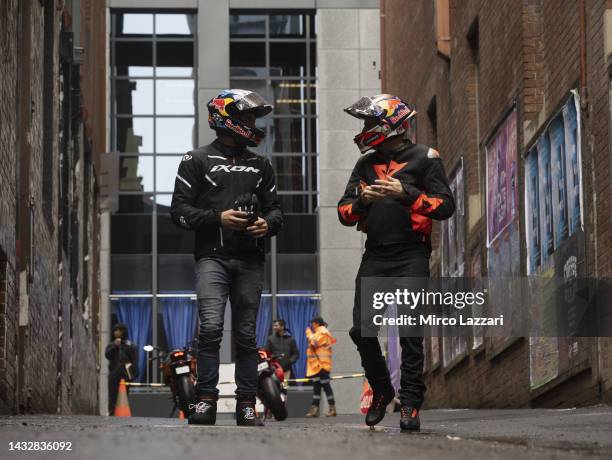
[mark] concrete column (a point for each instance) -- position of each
(348, 56)
(105, 307)
(213, 59)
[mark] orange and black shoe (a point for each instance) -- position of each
(378, 407)
(409, 420)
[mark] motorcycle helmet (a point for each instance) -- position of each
(391, 114)
(223, 111)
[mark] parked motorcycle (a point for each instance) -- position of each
(270, 385)
(178, 369)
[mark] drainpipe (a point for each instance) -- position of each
(583, 51)
(383, 53)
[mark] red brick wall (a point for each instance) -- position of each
(528, 55)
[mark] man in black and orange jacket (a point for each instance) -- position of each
(393, 194)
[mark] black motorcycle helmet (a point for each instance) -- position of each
(223, 111)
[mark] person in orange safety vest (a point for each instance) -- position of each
(319, 365)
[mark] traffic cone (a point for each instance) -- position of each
(122, 408)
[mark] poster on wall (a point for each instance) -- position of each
(553, 198)
(502, 180)
(453, 230)
(453, 257)
(475, 272)
(554, 233)
(503, 238)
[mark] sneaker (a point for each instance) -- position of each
(246, 414)
(378, 407)
(409, 420)
(203, 412)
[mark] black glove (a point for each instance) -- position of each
(248, 203)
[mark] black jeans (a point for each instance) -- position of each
(241, 281)
(412, 387)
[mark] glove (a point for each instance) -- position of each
(248, 203)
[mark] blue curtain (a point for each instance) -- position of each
(297, 312)
(135, 313)
(263, 320)
(180, 316)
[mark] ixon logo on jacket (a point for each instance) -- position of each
(235, 168)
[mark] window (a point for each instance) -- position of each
(275, 55)
(153, 123)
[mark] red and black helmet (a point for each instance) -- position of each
(393, 117)
(222, 111)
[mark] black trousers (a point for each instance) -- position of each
(412, 389)
(322, 382)
(242, 282)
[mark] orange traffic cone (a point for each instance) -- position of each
(122, 408)
(181, 415)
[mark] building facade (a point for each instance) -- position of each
(52, 116)
(516, 97)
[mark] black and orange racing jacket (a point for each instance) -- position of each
(395, 225)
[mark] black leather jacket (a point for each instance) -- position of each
(208, 181)
(394, 225)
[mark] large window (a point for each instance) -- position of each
(275, 55)
(153, 122)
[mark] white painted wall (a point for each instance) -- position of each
(348, 56)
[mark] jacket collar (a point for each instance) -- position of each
(392, 154)
(227, 150)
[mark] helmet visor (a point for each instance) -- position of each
(363, 108)
(253, 102)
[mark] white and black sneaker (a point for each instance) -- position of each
(246, 414)
(203, 411)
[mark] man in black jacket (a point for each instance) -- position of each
(122, 357)
(282, 345)
(393, 194)
(227, 195)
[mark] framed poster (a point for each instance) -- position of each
(553, 187)
(501, 180)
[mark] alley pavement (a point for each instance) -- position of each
(446, 434)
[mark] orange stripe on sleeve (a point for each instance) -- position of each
(425, 204)
(346, 211)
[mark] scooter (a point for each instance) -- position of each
(270, 385)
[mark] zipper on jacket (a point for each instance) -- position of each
(221, 236)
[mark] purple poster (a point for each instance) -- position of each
(502, 181)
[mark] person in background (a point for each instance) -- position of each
(282, 346)
(122, 357)
(319, 365)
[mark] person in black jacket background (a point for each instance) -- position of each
(394, 192)
(227, 195)
(122, 357)
(282, 345)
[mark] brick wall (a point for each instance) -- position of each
(526, 52)
(8, 88)
(52, 357)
